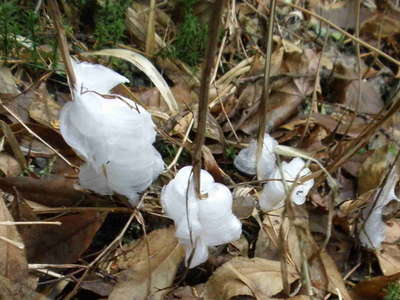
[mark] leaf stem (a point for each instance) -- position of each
(204, 91)
(264, 99)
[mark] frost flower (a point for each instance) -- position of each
(245, 161)
(372, 232)
(273, 194)
(200, 223)
(113, 134)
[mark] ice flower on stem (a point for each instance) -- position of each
(200, 223)
(113, 134)
(245, 161)
(273, 194)
(372, 232)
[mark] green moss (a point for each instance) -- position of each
(191, 38)
(110, 22)
(22, 31)
(392, 291)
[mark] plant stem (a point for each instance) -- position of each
(264, 99)
(204, 90)
(62, 41)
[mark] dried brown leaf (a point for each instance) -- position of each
(16, 290)
(149, 265)
(61, 244)
(245, 276)
(339, 12)
(373, 168)
(244, 201)
(389, 253)
(211, 165)
(9, 165)
(43, 109)
(372, 289)
(13, 262)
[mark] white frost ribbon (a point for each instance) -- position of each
(200, 223)
(274, 193)
(113, 134)
(245, 161)
(372, 232)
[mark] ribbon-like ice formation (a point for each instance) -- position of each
(373, 228)
(273, 194)
(113, 134)
(245, 161)
(200, 223)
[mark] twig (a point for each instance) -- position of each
(204, 91)
(358, 54)
(179, 152)
(36, 136)
(12, 141)
(14, 243)
(350, 36)
(57, 210)
(314, 94)
(264, 99)
(10, 223)
(101, 255)
(62, 41)
(150, 29)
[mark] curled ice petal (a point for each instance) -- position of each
(113, 134)
(200, 223)
(95, 77)
(273, 194)
(245, 161)
(372, 232)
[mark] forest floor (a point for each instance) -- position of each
(333, 96)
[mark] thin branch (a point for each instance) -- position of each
(62, 41)
(314, 94)
(150, 29)
(264, 99)
(204, 91)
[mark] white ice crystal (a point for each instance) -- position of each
(273, 194)
(372, 232)
(200, 223)
(113, 134)
(245, 161)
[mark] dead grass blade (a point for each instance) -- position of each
(144, 65)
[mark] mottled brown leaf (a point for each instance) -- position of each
(62, 244)
(245, 276)
(150, 265)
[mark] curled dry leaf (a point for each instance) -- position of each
(144, 65)
(244, 201)
(245, 276)
(211, 165)
(374, 167)
(149, 266)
